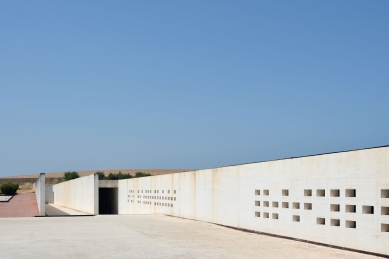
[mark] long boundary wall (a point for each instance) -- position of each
(40, 194)
(339, 199)
(80, 194)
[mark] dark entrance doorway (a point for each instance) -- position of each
(108, 200)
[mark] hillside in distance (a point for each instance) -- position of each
(106, 172)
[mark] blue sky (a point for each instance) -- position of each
(90, 85)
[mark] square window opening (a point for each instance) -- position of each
(257, 203)
(320, 221)
(351, 193)
(265, 204)
(321, 193)
(307, 206)
(335, 193)
(384, 227)
(275, 204)
(274, 216)
(257, 214)
(335, 222)
(285, 205)
(257, 192)
(367, 209)
(384, 210)
(266, 215)
(335, 207)
(296, 205)
(307, 192)
(266, 192)
(285, 192)
(385, 193)
(351, 208)
(351, 224)
(296, 218)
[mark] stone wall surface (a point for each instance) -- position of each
(80, 194)
(40, 194)
(339, 199)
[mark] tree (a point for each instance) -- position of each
(70, 175)
(101, 175)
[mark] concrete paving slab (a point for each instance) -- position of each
(146, 236)
(5, 198)
(53, 210)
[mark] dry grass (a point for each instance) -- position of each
(26, 188)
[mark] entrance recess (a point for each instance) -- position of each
(108, 200)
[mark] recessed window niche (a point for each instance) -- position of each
(351, 193)
(351, 208)
(351, 224)
(320, 193)
(335, 222)
(367, 209)
(335, 207)
(307, 206)
(320, 221)
(335, 193)
(384, 227)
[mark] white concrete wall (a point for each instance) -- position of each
(236, 196)
(80, 194)
(40, 194)
(49, 194)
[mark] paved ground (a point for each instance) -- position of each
(56, 210)
(146, 236)
(21, 205)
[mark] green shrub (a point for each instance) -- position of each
(141, 174)
(9, 188)
(70, 175)
(119, 176)
(101, 175)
